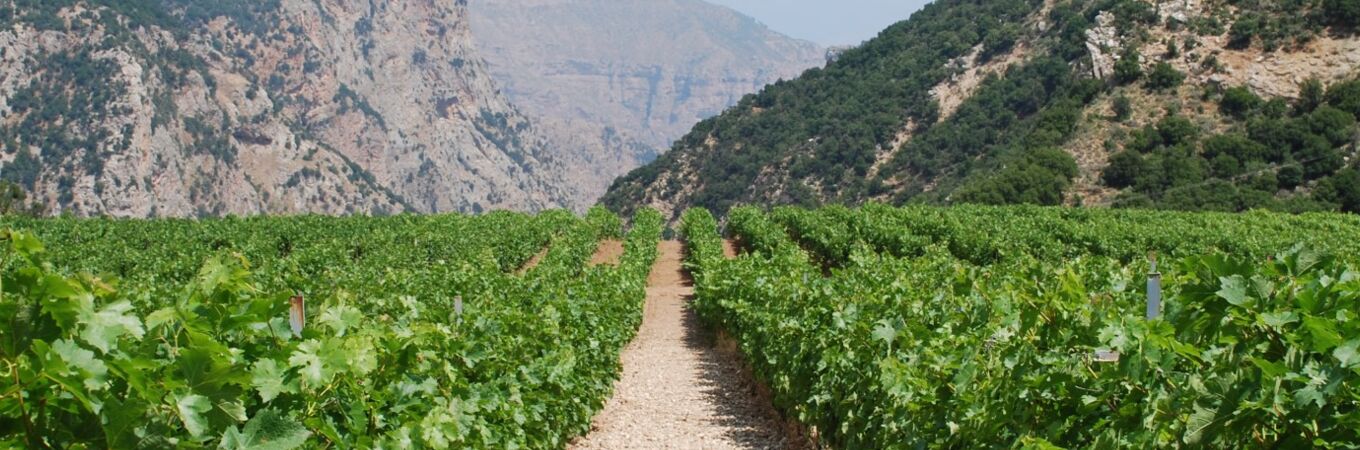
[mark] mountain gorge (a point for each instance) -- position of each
(208, 108)
(199, 108)
(1179, 104)
(645, 70)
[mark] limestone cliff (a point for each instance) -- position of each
(196, 107)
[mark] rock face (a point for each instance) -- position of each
(296, 106)
(646, 69)
(1102, 41)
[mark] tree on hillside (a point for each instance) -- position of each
(1343, 12)
(14, 201)
(1345, 96)
(1343, 189)
(1164, 77)
(1239, 102)
(1311, 95)
(1123, 108)
(1124, 169)
(1129, 68)
(1244, 31)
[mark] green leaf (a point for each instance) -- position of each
(268, 378)
(1269, 368)
(235, 410)
(1309, 395)
(1036, 443)
(1234, 290)
(120, 421)
(65, 303)
(1348, 355)
(309, 363)
(102, 329)
(192, 409)
(25, 243)
(341, 318)
(885, 332)
(1279, 319)
(160, 317)
(1200, 425)
(1324, 334)
(268, 430)
(81, 363)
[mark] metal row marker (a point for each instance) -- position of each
(1154, 307)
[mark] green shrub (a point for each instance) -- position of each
(1124, 169)
(1290, 175)
(1345, 96)
(1129, 68)
(1244, 31)
(1346, 188)
(1123, 108)
(1163, 77)
(1311, 95)
(1239, 102)
(1343, 12)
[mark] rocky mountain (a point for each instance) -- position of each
(203, 107)
(1182, 104)
(648, 70)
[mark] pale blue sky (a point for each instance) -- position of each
(827, 22)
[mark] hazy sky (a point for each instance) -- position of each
(827, 22)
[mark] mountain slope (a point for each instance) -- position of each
(196, 107)
(1012, 101)
(648, 70)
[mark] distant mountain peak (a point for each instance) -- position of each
(649, 70)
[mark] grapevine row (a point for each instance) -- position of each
(417, 333)
(937, 348)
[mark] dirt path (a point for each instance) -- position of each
(534, 261)
(678, 391)
(729, 248)
(609, 252)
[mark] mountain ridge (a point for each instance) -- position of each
(280, 107)
(1012, 102)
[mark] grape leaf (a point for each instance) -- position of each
(885, 332)
(309, 363)
(1199, 424)
(268, 430)
(1234, 290)
(342, 318)
(1324, 334)
(81, 363)
(191, 410)
(102, 329)
(1279, 319)
(1347, 354)
(1309, 395)
(268, 378)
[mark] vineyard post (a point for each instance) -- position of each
(458, 309)
(1154, 290)
(297, 314)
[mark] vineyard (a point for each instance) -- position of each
(991, 327)
(872, 327)
(425, 332)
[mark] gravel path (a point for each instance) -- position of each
(678, 391)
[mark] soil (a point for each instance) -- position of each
(609, 252)
(678, 389)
